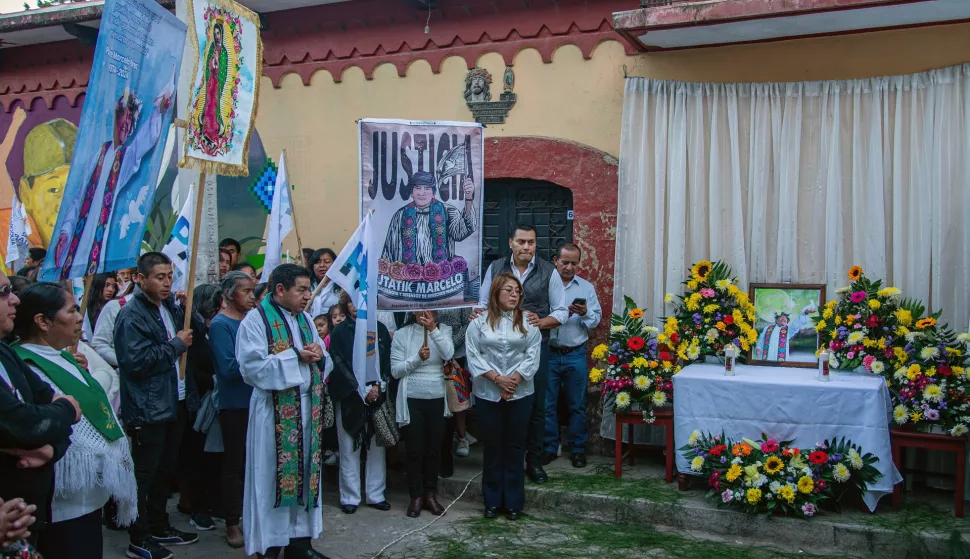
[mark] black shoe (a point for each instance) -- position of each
(446, 473)
(271, 553)
(202, 522)
(383, 506)
(147, 550)
(512, 515)
(302, 551)
(348, 509)
(491, 512)
(175, 537)
(536, 474)
(548, 458)
(578, 460)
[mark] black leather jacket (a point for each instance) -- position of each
(147, 361)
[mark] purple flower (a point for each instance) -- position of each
(727, 496)
(808, 509)
(932, 415)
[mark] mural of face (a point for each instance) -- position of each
(48, 149)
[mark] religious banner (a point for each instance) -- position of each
(424, 182)
(177, 247)
(225, 86)
(117, 158)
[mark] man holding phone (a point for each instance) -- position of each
(567, 365)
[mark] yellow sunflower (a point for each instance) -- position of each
(773, 465)
(700, 270)
(855, 273)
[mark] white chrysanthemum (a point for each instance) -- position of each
(900, 373)
(841, 473)
(669, 298)
(855, 460)
(900, 414)
(694, 437)
(855, 338)
(833, 362)
(877, 367)
(963, 338)
(693, 352)
(932, 393)
(617, 328)
(842, 290)
(929, 352)
(711, 334)
(650, 329)
(774, 486)
(659, 398)
(913, 336)
(959, 431)
(723, 284)
(623, 400)
(697, 464)
(641, 382)
(736, 460)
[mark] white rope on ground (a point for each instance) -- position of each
(428, 525)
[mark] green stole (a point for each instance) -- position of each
(91, 397)
(288, 412)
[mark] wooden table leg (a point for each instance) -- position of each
(629, 442)
(669, 451)
(682, 482)
(618, 453)
(897, 451)
(961, 471)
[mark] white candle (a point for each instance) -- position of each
(823, 366)
(729, 355)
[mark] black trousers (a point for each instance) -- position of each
(423, 444)
(234, 426)
(155, 452)
(537, 419)
(501, 433)
(198, 470)
(78, 538)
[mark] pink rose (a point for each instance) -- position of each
(707, 292)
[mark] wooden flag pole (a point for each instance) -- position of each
(321, 285)
(193, 258)
(84, 304)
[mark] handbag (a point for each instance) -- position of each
(385, 424)
(329, 419)
(458, 387)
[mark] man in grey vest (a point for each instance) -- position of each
(544, 300)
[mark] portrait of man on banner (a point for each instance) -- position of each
(225, 86)
(426, 211)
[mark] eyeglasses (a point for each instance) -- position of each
(511, 290)
(5, 291)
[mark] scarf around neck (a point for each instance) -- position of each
(288, 412)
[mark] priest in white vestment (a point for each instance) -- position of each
(774, 342)
(282, 505)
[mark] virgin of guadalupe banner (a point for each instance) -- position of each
(424, 182)
(225, 86)
(119, 148)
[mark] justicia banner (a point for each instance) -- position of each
(424, 182)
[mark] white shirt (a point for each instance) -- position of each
(558, 308)
(170, 328)
(326, 298)
(504, 350)
(426, 380)
(104, 330)
(575, 330)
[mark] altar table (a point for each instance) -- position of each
(786, 404)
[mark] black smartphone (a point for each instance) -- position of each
(579, 301)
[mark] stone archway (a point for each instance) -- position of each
(591, 175)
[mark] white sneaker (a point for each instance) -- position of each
(462, 450)
(471, 440)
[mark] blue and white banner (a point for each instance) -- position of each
(177, 247)
(120, 142)
(17, 245)
(280, 221)
(355, 271)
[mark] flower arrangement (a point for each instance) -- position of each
(861, 327)
(769, 476)
(634, 368)
(930, 384)
(711, 314)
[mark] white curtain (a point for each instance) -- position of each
(797, 182)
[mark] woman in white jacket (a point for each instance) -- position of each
(418, 352)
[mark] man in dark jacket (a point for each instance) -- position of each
(35, 424)
(149, 342)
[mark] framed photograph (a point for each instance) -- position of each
(785, 321)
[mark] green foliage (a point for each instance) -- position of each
(161, 220)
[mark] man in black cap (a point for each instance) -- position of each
(426, 229)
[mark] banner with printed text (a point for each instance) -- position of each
(424, 182)
(225, 86)
(120, 142)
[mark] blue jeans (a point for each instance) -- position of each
(569, 372)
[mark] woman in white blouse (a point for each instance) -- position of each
(98, 464)
(418, 352)
(503, 357)
(325, 293)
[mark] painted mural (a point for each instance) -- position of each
(36, 146)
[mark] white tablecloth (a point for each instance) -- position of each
(787, 404)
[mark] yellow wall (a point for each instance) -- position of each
(572, 98)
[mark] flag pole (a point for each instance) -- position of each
(193, 258)
(296, 223)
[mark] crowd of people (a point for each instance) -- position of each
(103, 415)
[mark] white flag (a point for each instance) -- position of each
(17, 246)
(280, 221)
(355, 271)
(180, 242)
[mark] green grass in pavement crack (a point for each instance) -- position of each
(604, 483)
(913, 520)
